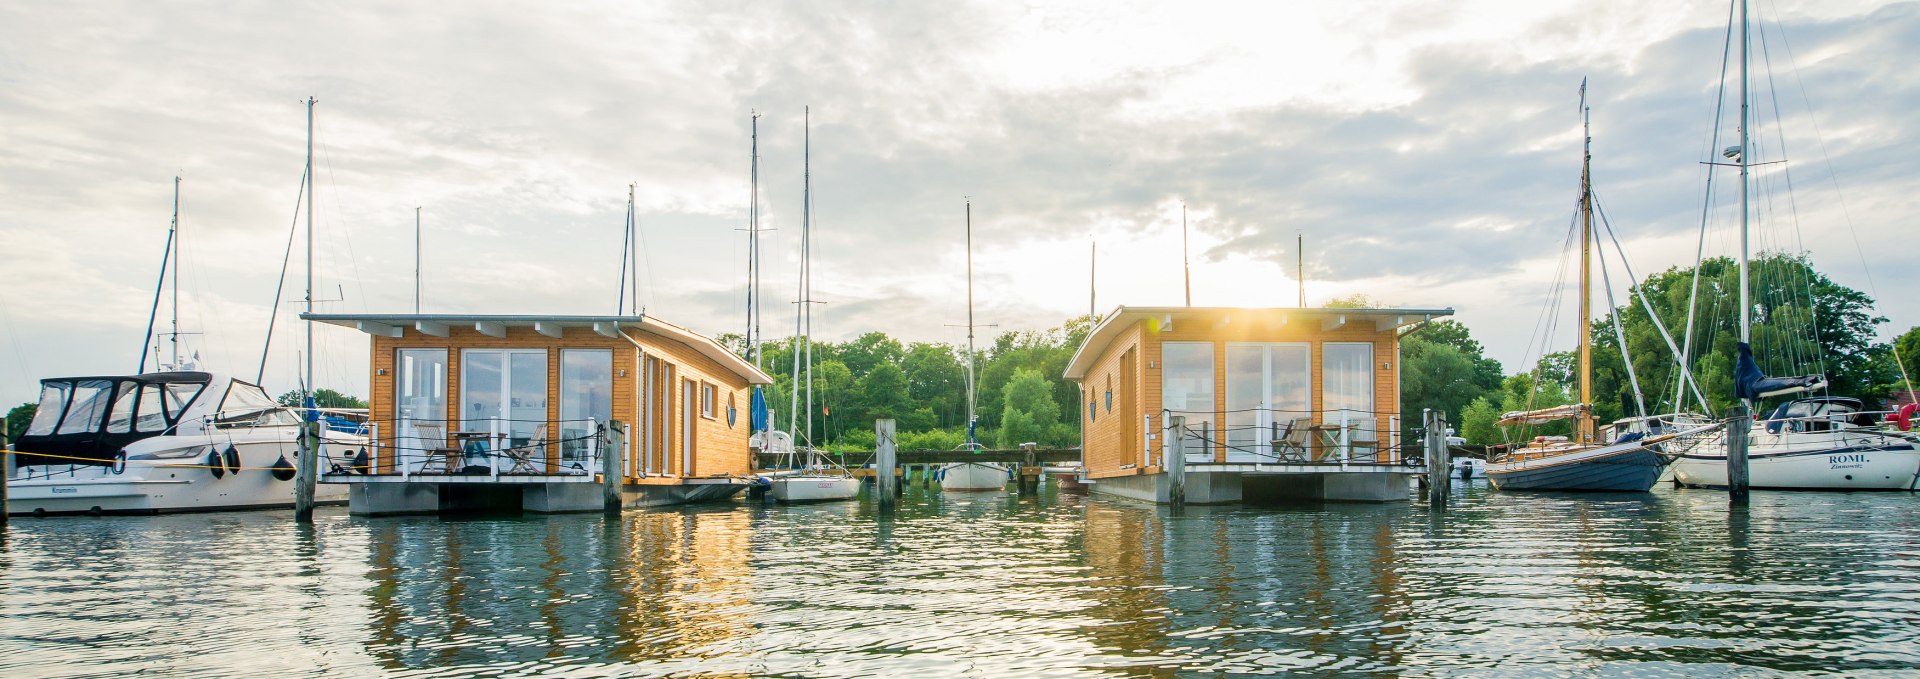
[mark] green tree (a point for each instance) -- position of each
(19, 418)
(323, 398)
(1442, 367)
(1803, 324)
(1029, 412)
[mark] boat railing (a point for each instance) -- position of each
(1340, 437)
(504, 447)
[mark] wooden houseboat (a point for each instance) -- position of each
(1279, 403)
(473, 412)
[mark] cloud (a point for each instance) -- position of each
(1427, 152)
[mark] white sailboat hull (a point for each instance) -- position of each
(176, 485)
(1858, 459)
(973, 476)
(814, 488)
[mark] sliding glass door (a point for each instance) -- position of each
(586, 393)
(507, 384)
(1186, 388)
(1348, 375)
(1269, 392)
(420, 392)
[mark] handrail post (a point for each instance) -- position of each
(493, 447)
(1176, 461)
(593, 444)
(373, 451)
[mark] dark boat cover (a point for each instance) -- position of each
(87, 420)
(1749, 383)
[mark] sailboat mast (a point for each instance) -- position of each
(970, 413)
(176, 274)
(1186, 266)
(416, 259)
(309, 383)
(1746, 307)
(806, 252)
(1586, 264)
(753, 246)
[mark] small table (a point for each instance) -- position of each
(461, 440)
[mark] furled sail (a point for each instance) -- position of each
(1751, 384)
(758, 416)
(1543, 415)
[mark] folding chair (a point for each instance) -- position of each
(433, 439)
(521, 457)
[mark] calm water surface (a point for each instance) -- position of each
(985, 585)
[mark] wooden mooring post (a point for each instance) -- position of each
(6, 448)
(886, 484)
(1027, 481)
(1176, 461)
(307, 472)
(1739, 425)
(613, 445)
(1438, 462)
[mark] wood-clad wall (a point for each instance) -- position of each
(720, 448)
(1108, 451)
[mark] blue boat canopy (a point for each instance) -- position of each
(1751, 384)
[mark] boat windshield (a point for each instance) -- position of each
(53, 401)
(247, 405)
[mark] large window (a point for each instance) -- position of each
(1269, 392)
(421, 390)
(509, 385)
(1348, 375)
(1186, 388)
(586, 392)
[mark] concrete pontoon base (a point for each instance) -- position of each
(1223, 487)
(421, 497)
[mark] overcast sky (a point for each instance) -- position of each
(1427, 152)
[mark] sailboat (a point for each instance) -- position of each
(1628, 456)
(817, 477)
(968, 476)
(1814, 441)
(177, 439)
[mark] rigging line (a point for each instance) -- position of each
(346, 234)
(1638, 291)
(1619, 335)
(1834, 178)
(279, 287)
(1793, 204)
(1706, 208)
(626, 232)
(1806, 275)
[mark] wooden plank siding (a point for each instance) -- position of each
(1106, 451)
(720, 447)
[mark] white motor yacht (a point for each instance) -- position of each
(171, 441)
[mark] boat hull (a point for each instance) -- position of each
(814, 488)
(1843, 460)
(1631, 469)
(172, 485)
(973, 476)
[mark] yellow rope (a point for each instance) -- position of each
(98, 462)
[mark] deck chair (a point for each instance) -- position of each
(521, 457)
(441, 458)
(1293, 441)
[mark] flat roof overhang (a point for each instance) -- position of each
(1123, 317)
(495, 325)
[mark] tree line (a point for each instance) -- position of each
(1804, 323)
